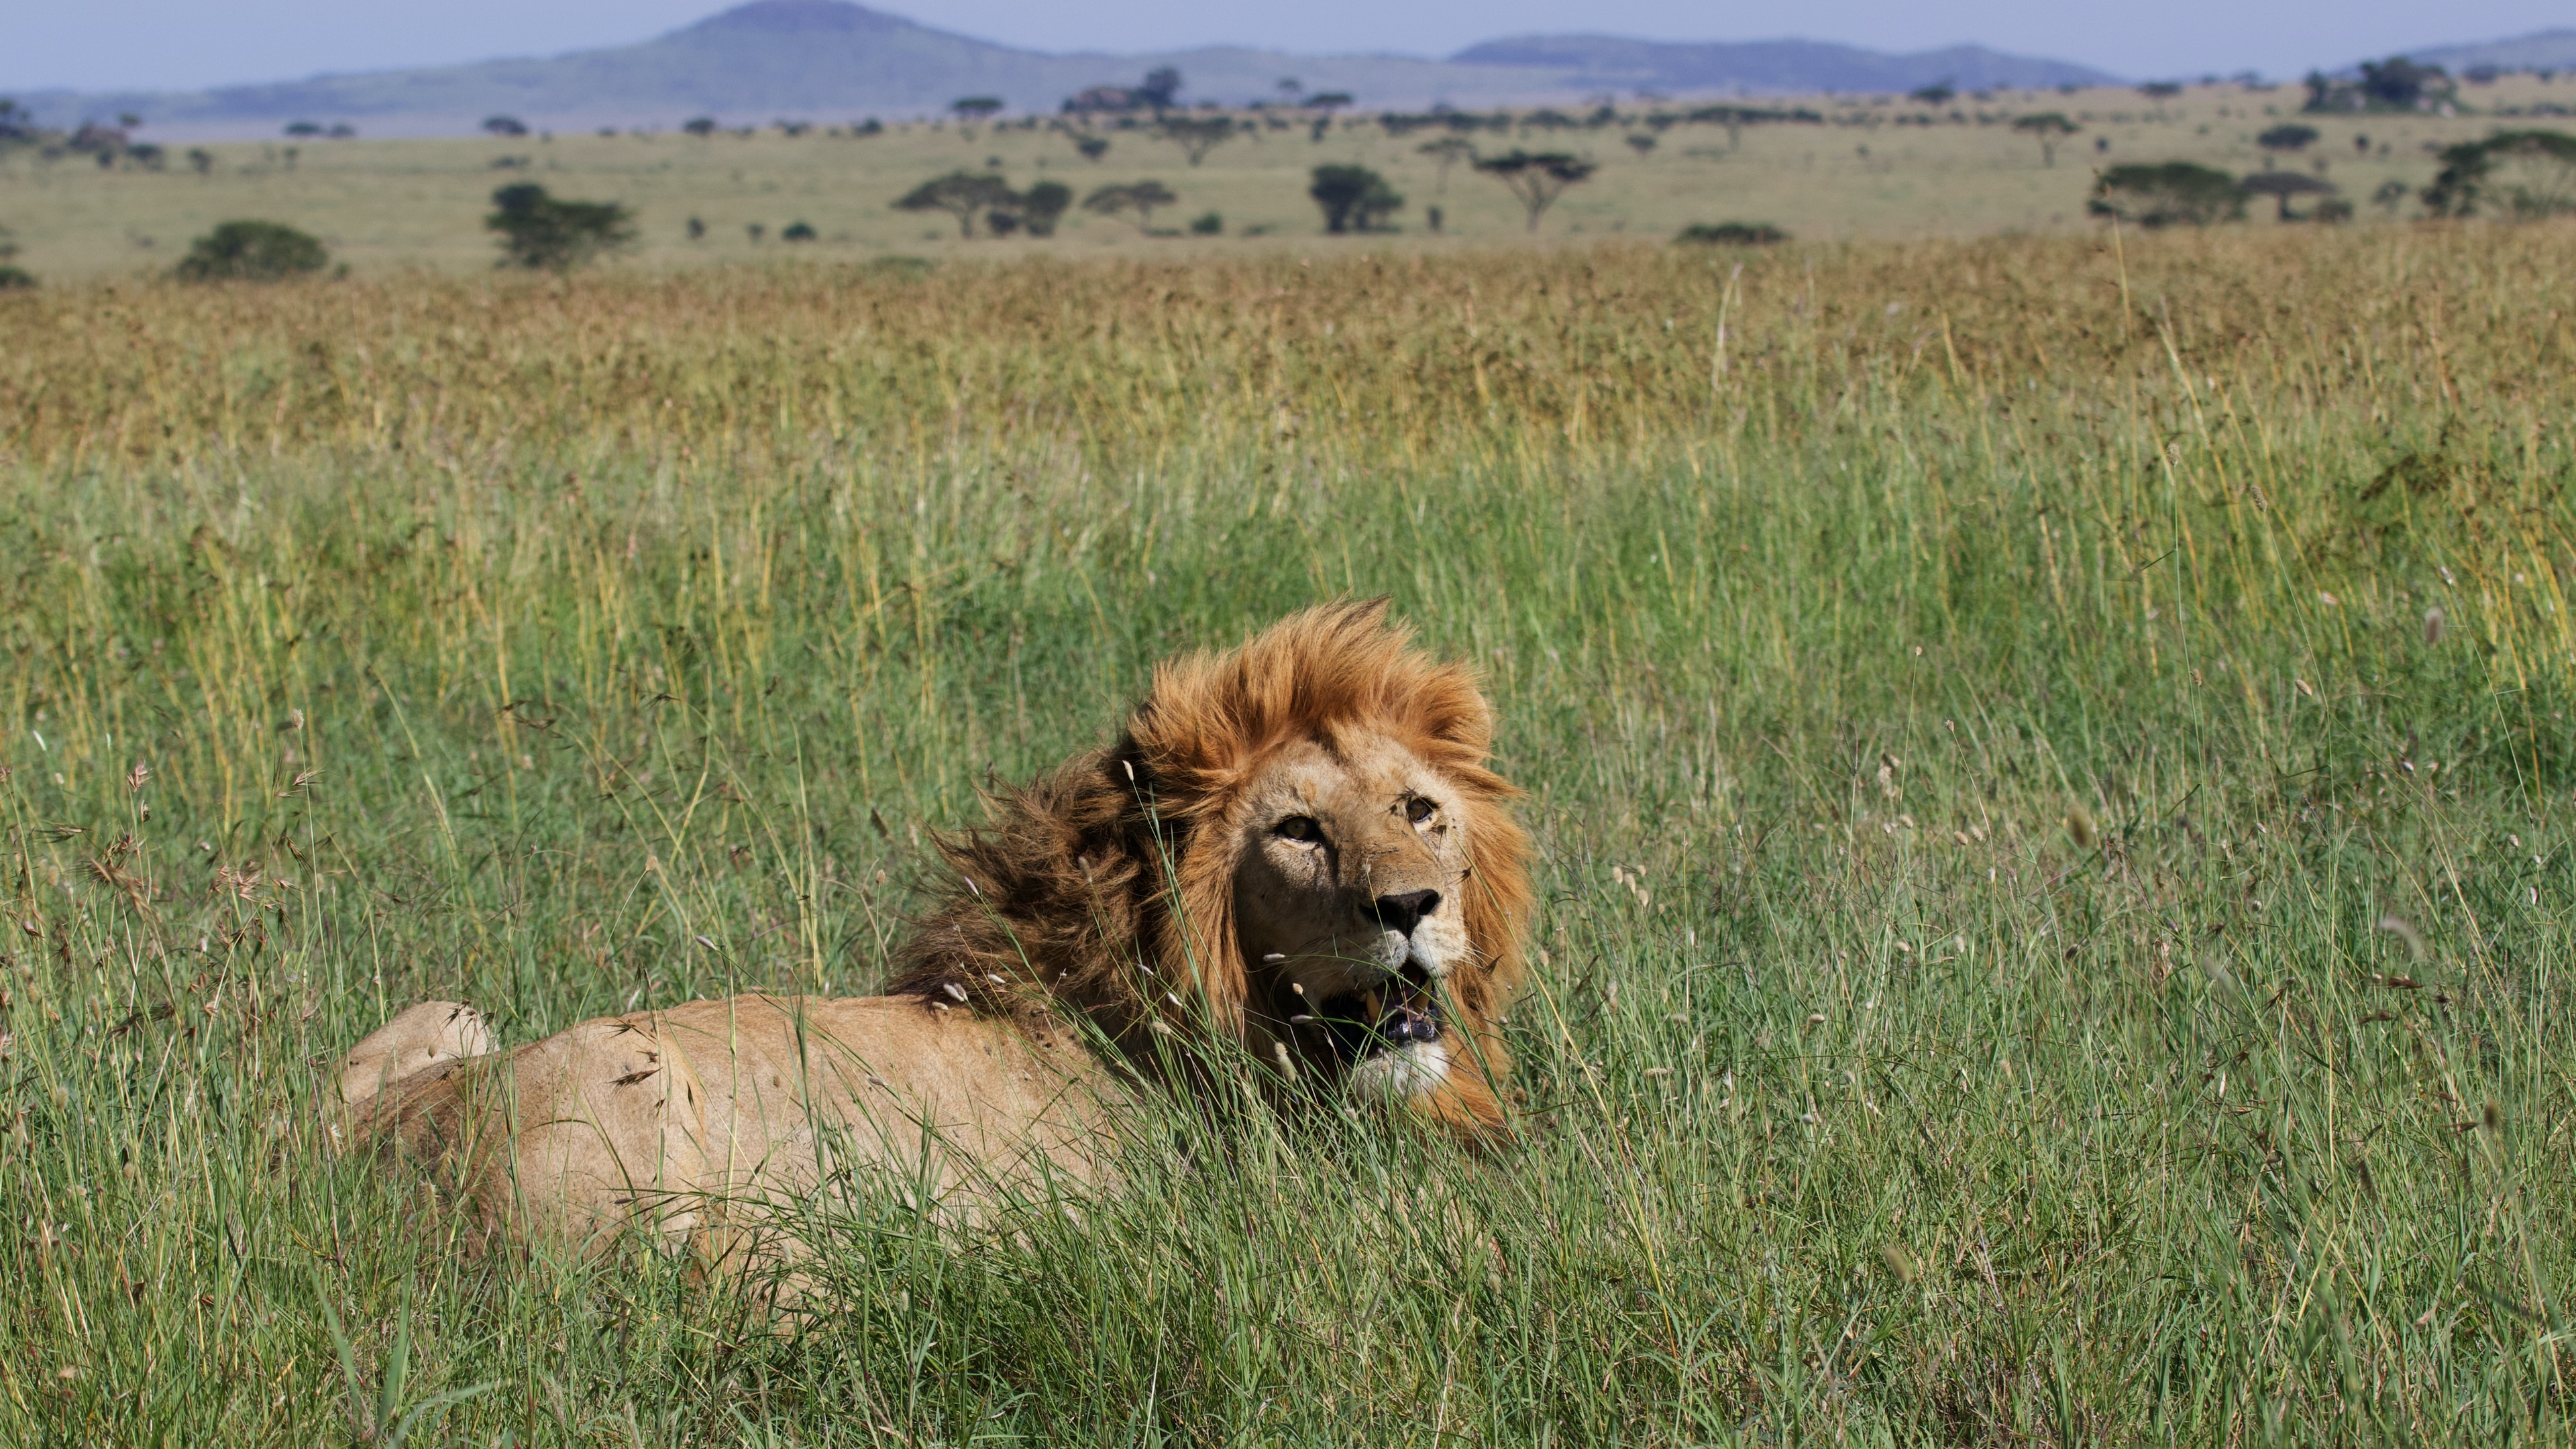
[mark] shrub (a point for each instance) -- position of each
(2526, 174)
(252, 251)
(1210, 224)
(2167, 193)
(1732, 234)
(544, 232)
(798, 231)
(15, 279)
(1354, 198)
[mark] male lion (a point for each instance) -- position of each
(1292, 866)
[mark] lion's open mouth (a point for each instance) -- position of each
(1401, 1013)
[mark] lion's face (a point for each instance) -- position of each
(1349, 905)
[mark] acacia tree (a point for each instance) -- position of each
(546, 232)
(1446, 152)
(2287, 137)
(1141, 197)
(2048, 128)
(1196, 135)
(1041, 206)
(2525, 174)
(2170, 193)
(2282, 185)
(964, 195)
(1536, 178)
(1354, 198)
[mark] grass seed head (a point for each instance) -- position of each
(2433, 622)
(2404, 930)
(2079, 828)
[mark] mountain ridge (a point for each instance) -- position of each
(778, 58)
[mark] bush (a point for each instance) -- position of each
(2167, 193)
(799, 231)
(1354, 198)
(540, 231)
(16, 279)
(1731, 234)
(252, 251)
(1211, 224)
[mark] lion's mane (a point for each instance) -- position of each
(1086, 890)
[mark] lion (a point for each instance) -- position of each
(1295, 867)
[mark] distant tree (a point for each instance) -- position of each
(1096, 100)
(975, 108)
(129, 120)
(18, 125)
(14, 279)
(547, 233)
(1195, 135)
(342, 131)
(1092, 147)
(1141, 197)
(1732, 234)
(8, 244)
(2160, 90)
(1160, 88)
(2390, 196)
(1329, 101)
(1939, 93)
(799, 230)
(147, 156)
(201, 161)
(1353, 198)
(505, 125)
(1208, 224)
(252, 251)
(2048, 128)
(1537, 179)
(756, 231)
(869, 127)
(1290, 87)
(1446, 152)
(2283, 185)
(1641, 143)
(1041, 206)
(301, 129)
(2394, 84)
(2526, 175)
(2170, 193)
(964, 195)
(699, 125)
(697, 229)
(2287, 137)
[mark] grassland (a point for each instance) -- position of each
(2050, 760)
(385, 206)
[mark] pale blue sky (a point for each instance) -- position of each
(101, 44)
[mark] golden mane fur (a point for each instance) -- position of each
(1085, 891)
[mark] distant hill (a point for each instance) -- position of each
(830, 60)
(1604, 62)
(2541, 50)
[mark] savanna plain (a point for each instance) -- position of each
(2049, 755)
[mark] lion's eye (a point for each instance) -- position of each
(1300, 827)
(1418, 809)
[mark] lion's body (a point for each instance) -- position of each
(1294, 864)
(691, 1122)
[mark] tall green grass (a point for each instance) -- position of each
(2050, 763)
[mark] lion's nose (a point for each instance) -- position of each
(1400, 913)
